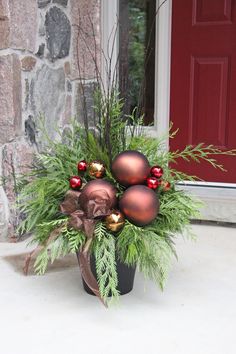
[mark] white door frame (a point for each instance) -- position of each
(109, 33)
(162, 68)
(219, 198)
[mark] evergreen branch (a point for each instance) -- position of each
(66, 241)
(75, 239)
(104, 251)
(151, 252)
(199, 153)
(41, 262)
(130, 243)
(176, 175)
(155, 260)
(100, 231)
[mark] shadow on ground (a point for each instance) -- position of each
(16, 261)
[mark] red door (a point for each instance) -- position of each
(203, 81)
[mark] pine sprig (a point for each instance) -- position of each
(66, 240)
(151, 252)
(177, 208)
(41, 195)
(155, 261)
(105, 254)
(150, 248)
(75, 239)
(41, 262)
(201, 152)
(100, 231)
(130, 243)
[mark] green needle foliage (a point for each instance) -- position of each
(104, 249)
(67, 241)
(150, 248)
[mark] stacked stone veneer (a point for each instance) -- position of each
(43, 57)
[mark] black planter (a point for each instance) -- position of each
(125, 277)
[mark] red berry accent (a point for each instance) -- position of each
(156, 171)
(82, 165)
(165, 185)
(75, 182)
(152, 182)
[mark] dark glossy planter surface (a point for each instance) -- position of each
(125, 277)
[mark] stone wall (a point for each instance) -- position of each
(43, 57)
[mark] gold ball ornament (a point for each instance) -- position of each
(115, 221)
(140, 205)
(96, 169)
(130, 167)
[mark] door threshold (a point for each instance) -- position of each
(219, 199)
(213, 223)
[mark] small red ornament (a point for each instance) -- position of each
(152, 182)
(165, 185)
(75, 182)
(82, 165)
(156, 171)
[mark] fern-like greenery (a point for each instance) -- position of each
(150, 248)
(104, 250)
(66, 241)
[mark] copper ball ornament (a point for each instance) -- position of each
(115, 221)
(156, 171)
(140, 205)
(130, 167)
(152, 182)
(98, 185)
(75, 182)
(96, 169)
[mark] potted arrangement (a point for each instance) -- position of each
(110, 196)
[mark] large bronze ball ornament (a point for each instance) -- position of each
(140, 205)
(130, 167)
(90, 189)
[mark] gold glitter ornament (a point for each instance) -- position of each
(115, 221)
(96, 169)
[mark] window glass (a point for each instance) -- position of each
(137, 56)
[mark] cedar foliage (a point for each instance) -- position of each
(151, 247)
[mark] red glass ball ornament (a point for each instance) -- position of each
(82, 165)
(156, 171)
(166, 186)
(75, 182)
(139, 204)
(152, 182)
(130, 167)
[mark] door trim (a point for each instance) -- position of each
(219, 198)
(162, 68)
(108, 24)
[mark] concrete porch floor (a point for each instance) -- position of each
(196, 314)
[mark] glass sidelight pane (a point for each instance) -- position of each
(137, 55)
